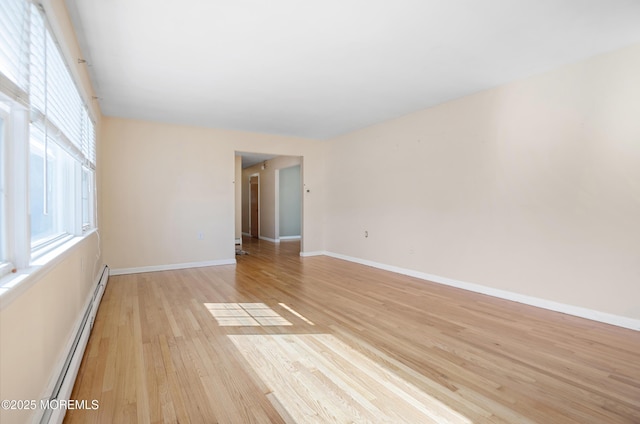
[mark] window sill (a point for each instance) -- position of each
(15, 284)
(5, 269)
(49, 246)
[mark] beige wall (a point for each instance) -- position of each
(267, 193)
(164, 184)
(532, 187)
(36, 328)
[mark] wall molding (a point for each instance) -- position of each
(604, 317)
(170, 267)
(280, 238)
(314, 253)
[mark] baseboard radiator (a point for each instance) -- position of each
(64, 384)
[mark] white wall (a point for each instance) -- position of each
(164, 184)
(532, 187)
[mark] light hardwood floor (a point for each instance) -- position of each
(279, 338)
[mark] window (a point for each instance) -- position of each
(47, 141)
(61, 144)
(49, 186)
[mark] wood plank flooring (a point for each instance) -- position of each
(283, 339)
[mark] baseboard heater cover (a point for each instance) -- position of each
(64, 384)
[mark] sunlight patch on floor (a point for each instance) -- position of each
(285, 306)
(319, 378)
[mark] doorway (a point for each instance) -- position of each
(259, 201)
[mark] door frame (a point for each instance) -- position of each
(257, 174)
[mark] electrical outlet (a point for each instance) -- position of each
(366, 234)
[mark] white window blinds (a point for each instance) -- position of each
(14, 49)
(56, 105)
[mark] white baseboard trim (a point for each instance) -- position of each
(604, 317)
(246, 234)
(238, 241)
(269, 239)
(316, 253)
(154, 268)
(290, 237)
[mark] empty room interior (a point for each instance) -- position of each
(320, 212)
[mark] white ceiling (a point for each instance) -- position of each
(322, 68)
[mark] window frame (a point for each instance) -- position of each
(15, 225)
(21, 107)
(5, 255)
(90, 223)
